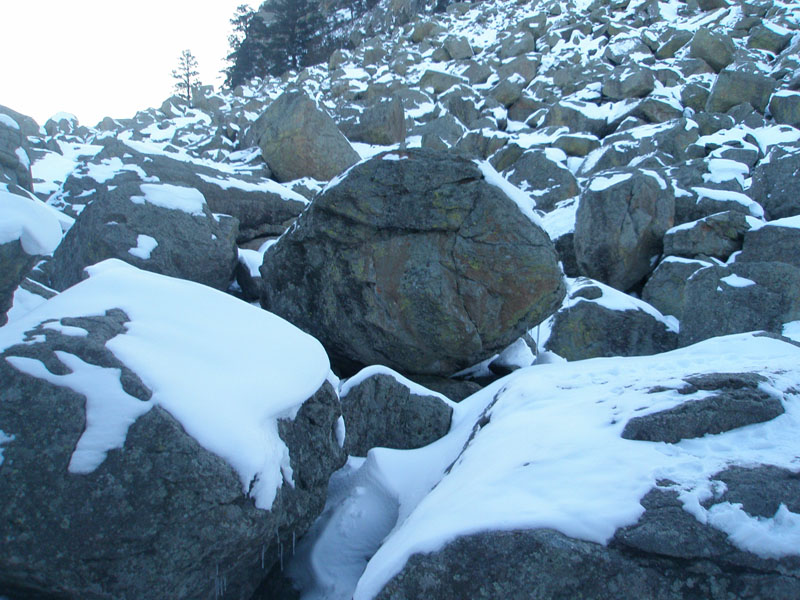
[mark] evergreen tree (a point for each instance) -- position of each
(248, 47)
(186, 75)
(295, 32)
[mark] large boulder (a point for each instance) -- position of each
(15, 164)
(28, 231)
(666, 285)
(585, 511)
(297, 139)
(596, 320)
(148, 451)
(382, 408)
(740, 85)
(775, 241)
(744, 296)
(541, 174)
(716, 236)
(263, 207)
(773, 182)
(158, 227)
(620, 225)
(382, 123)
(717, 49)
(424, 261)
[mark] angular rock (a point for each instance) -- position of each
(666, 285)
(519, 43)
(737, 402)
(27, 124)
(458, 47)
(785, 107)
(544, 178)
(15, 164)
(767, 38)
(773, 182)
(628, 82)
(383, 409)
(620, 224)
(717, 49)
(106, 492)
(738, 86)
(299, 140)
(596, 320)
(382, 124)
(438, 81)
(761, 490)
(747, 296)
(716, 236)
(509, 90)
(676, 41)
(414, 260)
(161, 228)
(775, 241)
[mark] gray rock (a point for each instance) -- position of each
(414, 261)
(785, 108)
(481, 144)
(458, 47)
(521, 42)
(738, 86)
(382, 124)
(577, 144)
(717, 49)
(620, 223)
(628, 82)
(161, 516)
(525, 66)
(773, 184)
(666, 286)
(675, 42)
(547, 181)
(381, 411)
(194, 245)
(715, 236)
(761, 490)
(587, 327)
(27, 125)
(508, 90)
(445, 129)
(776, 241)
(15, 264)
(737, 402)
(462, 102)
(571, 115)
(438, 81)
(767, 38)
(741, 297)
(15, 164)
(453, 389)
(299, 140)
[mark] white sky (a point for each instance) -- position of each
(97, 58)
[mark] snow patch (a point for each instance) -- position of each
(29, 221)
(734, 280)
(173, 197)
(144, 246)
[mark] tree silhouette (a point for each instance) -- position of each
(186, 75)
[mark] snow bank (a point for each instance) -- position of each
(225, 369)
(29, 221)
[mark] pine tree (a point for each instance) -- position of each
(248, 47)
(294, 34)
(186, 75)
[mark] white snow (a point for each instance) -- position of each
(265, 185)
(552, 456)
(174, 197)
(24, 302)
(734, 280)
(8, 121)
(523, 201)
(373, 370)
(29, 221)
(226, 380)
(792, 330)
(22, 157)
(561, 221)
(753, 207)
(791, 222)
(598, 184)
(721, 170)
(144, 246)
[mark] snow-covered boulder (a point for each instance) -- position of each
(666, 285)
(774, 241)
(597, 320)
(15, 163)
(586, 512)
(774, 181)
(382, 408)
(743, 296)
(28, 230)
(158, 439)
(542, 174)
(162, 228)
(423, 261)
(297, 139)
(620, 225)
(716, 236)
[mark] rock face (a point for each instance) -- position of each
(772, 182)
(717, 236)
(414, 260)
(298, 140)
(620, 224)
(741, 297)
(596, 320)
(776, 241)
(382, 411)
(160, 515)
(15, 164)
(161, 228)
(666, 286)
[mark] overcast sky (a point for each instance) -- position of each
(96, 58)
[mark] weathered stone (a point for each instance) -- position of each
(592, 323)
(400, 264)
(774, 180)
(739, 86)
(775, 241)
(520, 43)
(383, 411)
(666, 285)
(382, 124)
(715, 48)
(716, 236)
(298, 140)
(438, 81)
(785, 108)
(15, 163)
(746, 296)
(547, 181)
(142, 225)
(675, 42)
(27, 125)
(574, 115)
(458, 47)
(577, 144)
(737, 402)
(628, 82)
(508, 91)
(621, 220)
(767, 38)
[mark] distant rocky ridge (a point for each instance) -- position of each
(495, 196)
